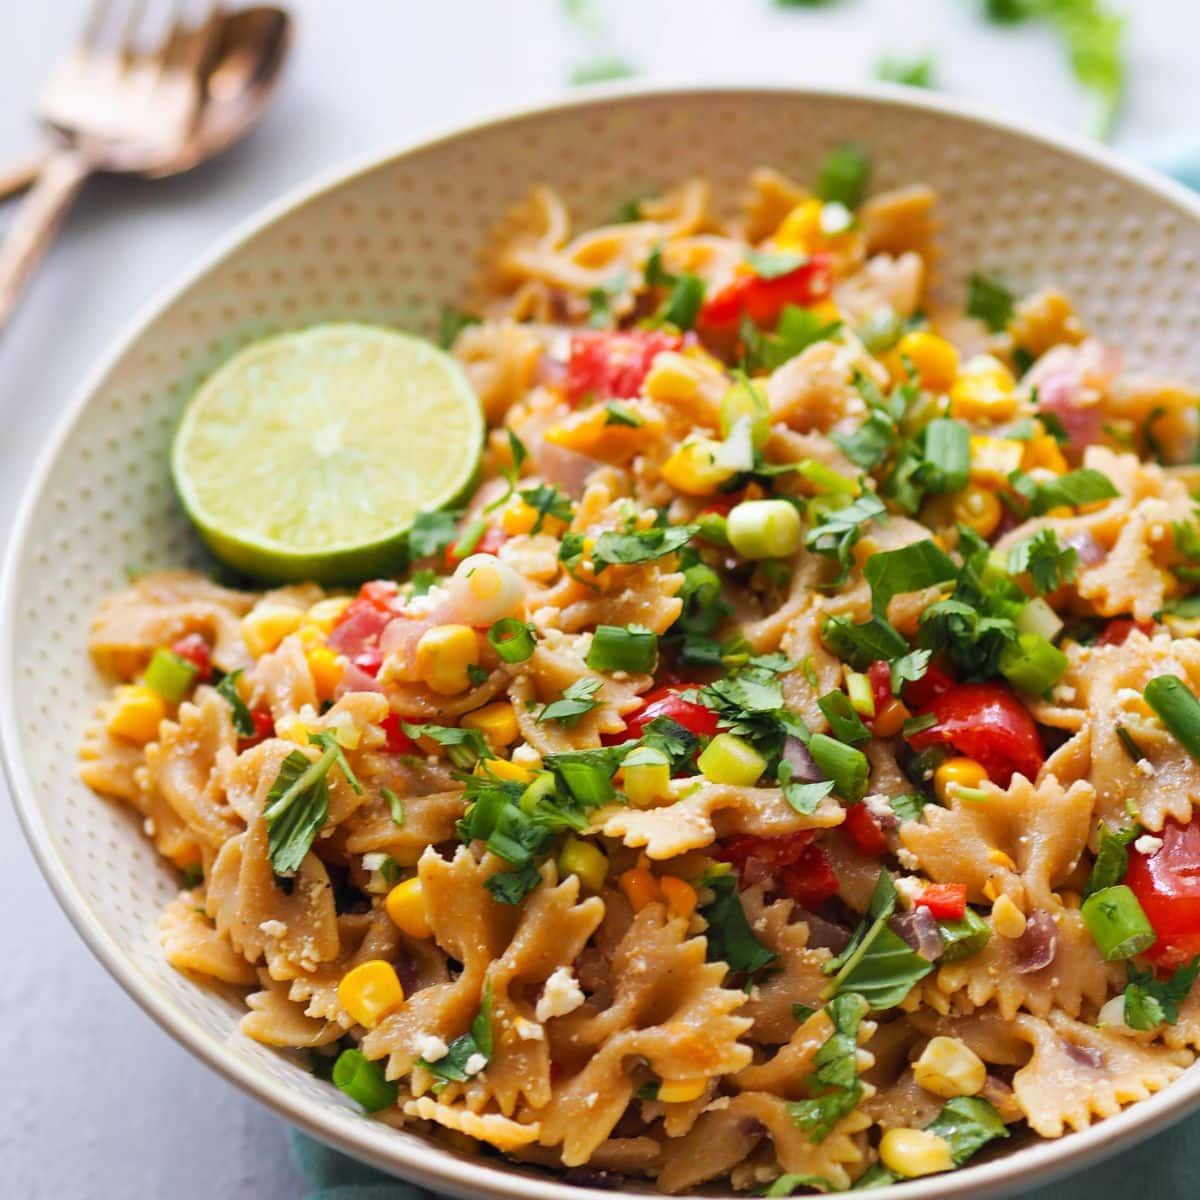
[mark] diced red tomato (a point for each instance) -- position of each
(611, 365)
(493, 538)
(791, 862)
(864, 830)
(195, 649)
(398, 742)
(986, 722)
(810, 881)
(725, 504)
(666, 702)
(946, 901)
(762, 300)
(924, 691)
(264, 727)
(880, 675)
(1115, 632)
(1167, 885)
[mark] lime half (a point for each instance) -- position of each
(308, 455)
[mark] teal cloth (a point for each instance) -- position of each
(1167, 1167)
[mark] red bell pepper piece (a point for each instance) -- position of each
(195, 649)
(880, 675)
(864, 830)
(398, 742)
(1116, 631)
(762, 300)
(946, 901)
(666, 702)
(811, 880)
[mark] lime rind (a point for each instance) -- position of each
(308, 455)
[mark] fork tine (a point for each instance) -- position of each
(127, 47)
(201, 40)
(94, 26)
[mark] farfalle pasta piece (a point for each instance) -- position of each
(1040, 829)
(702, 812)
(276, 1020)
(1078, 1073)
(500, 358)
(192, 944)
(496, 1130)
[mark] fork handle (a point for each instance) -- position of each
(37, 220)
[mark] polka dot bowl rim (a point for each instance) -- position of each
(328, 1116)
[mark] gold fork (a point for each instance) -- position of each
(112, 104)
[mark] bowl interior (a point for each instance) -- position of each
(392, 243)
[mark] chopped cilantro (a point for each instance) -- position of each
(547, 501)
(836, 534)
(476, 1044)
(730, 938)
(1084, 486)
(395, 805)
(1150, 1002)
(912, 72)
(990, 301)
(911, 568)
(243, 722)
(1049, 565)
(834, 1086)
(433, 532)
(577, 699)
(464, 747)
(642, 545)
(843, 176)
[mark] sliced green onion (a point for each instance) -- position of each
(712, 527)
(964, 937)
(1033, 664)
(1039, 618)
(731, 760)
(845, 722)
(511, 639)
(846, 766)
(745, 401)
(1127, 740)
(471, 537)
(947, 455)
(364, 1081)
(826, 478)
(881, 330)
(1117, 923)
(395, 805)
(170, 675)
(1178, 710)
(632, 648)
(862, 695)
(764, 529)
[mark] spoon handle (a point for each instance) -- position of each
(37, 220)
(22, 173)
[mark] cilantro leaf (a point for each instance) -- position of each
(464, 747)
(839, 530)
(1150, 1002)
(642, 545)
(547, 501)
(990, 301)
(864, 643)
(803, 797)
(967, 1124)
(678, 743)
(1084, 486)
(846, 724)
(911, 568)
(796, 330)
(909, 668)
(433, 532)
(476, 1043)
(1049, 565)
(912, 72)
(835, 1076)
(395, 805)
(730, 938)
(600, 299)
(243, 722)
(843, 176)
(577, 699)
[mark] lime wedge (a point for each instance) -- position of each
(308, 455)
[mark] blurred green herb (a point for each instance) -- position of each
(913, 72)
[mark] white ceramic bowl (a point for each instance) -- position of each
(392, 240)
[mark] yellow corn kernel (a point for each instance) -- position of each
(681, 1091)
(497, 722)
(639, 886)
(989, 890)
(592, 433)
(1000, 859)
(324, 613)
(1007, 919)
(983, 391)
(326, 668)
(443, 655)
(267, 624)
(956, 773)
(890, 718)
(584, 859)
(694, 469)
(827, 311)
(675, 377)
(994, 459)
(1059, 511)
(139, 711)
(800, 230)
(518, 517)
(502, 768)
(933, 358)
(646, 777)
(370, 992)
(680, 896)
(292, 729)
(1042, 451)
(978, 509)
(311, 636)
(405, 905)
(948, 1067)
(914, 1152)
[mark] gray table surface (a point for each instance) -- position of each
(95, 1101)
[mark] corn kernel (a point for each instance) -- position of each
(519, 517)
(443, 655)
(994, 459)
(983, 391)
(914, 1152)
(801, 228)
(1007, 919)
(933, 358)
(405, 905)
(948, 1067)
(694, 469)
(826, 311)
(681, 1091)
(592, 433)
(978, 509)
(502, 768)
(292, 729)
(1000, 859)
(370, 992)
(139, 711)
(324, 613)
(497, 722)
(989, 890)
(326, 667)
(955, 773)
(584, 859)
(267, 624)
(890, 718)
(680, 896)
(1042, 451)
(646, 777)
(639, 886)
(674, 377)
(1059, 511)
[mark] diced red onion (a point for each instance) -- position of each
(919, 929)
(1085, 1056)
(1089, 550)
(1038, 945)
(796, 755)
(822, 934)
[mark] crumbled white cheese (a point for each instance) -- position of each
(430, 1047)
(908, 859)
(561, 995)
(1148, 844)
(908, 888)
(526, 755)
(1146, 767)
(273, 928)
(879, 807)
(716, 1105)
(1063, 693)
(475, 1064)
(529, 1031)
(374, 862)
